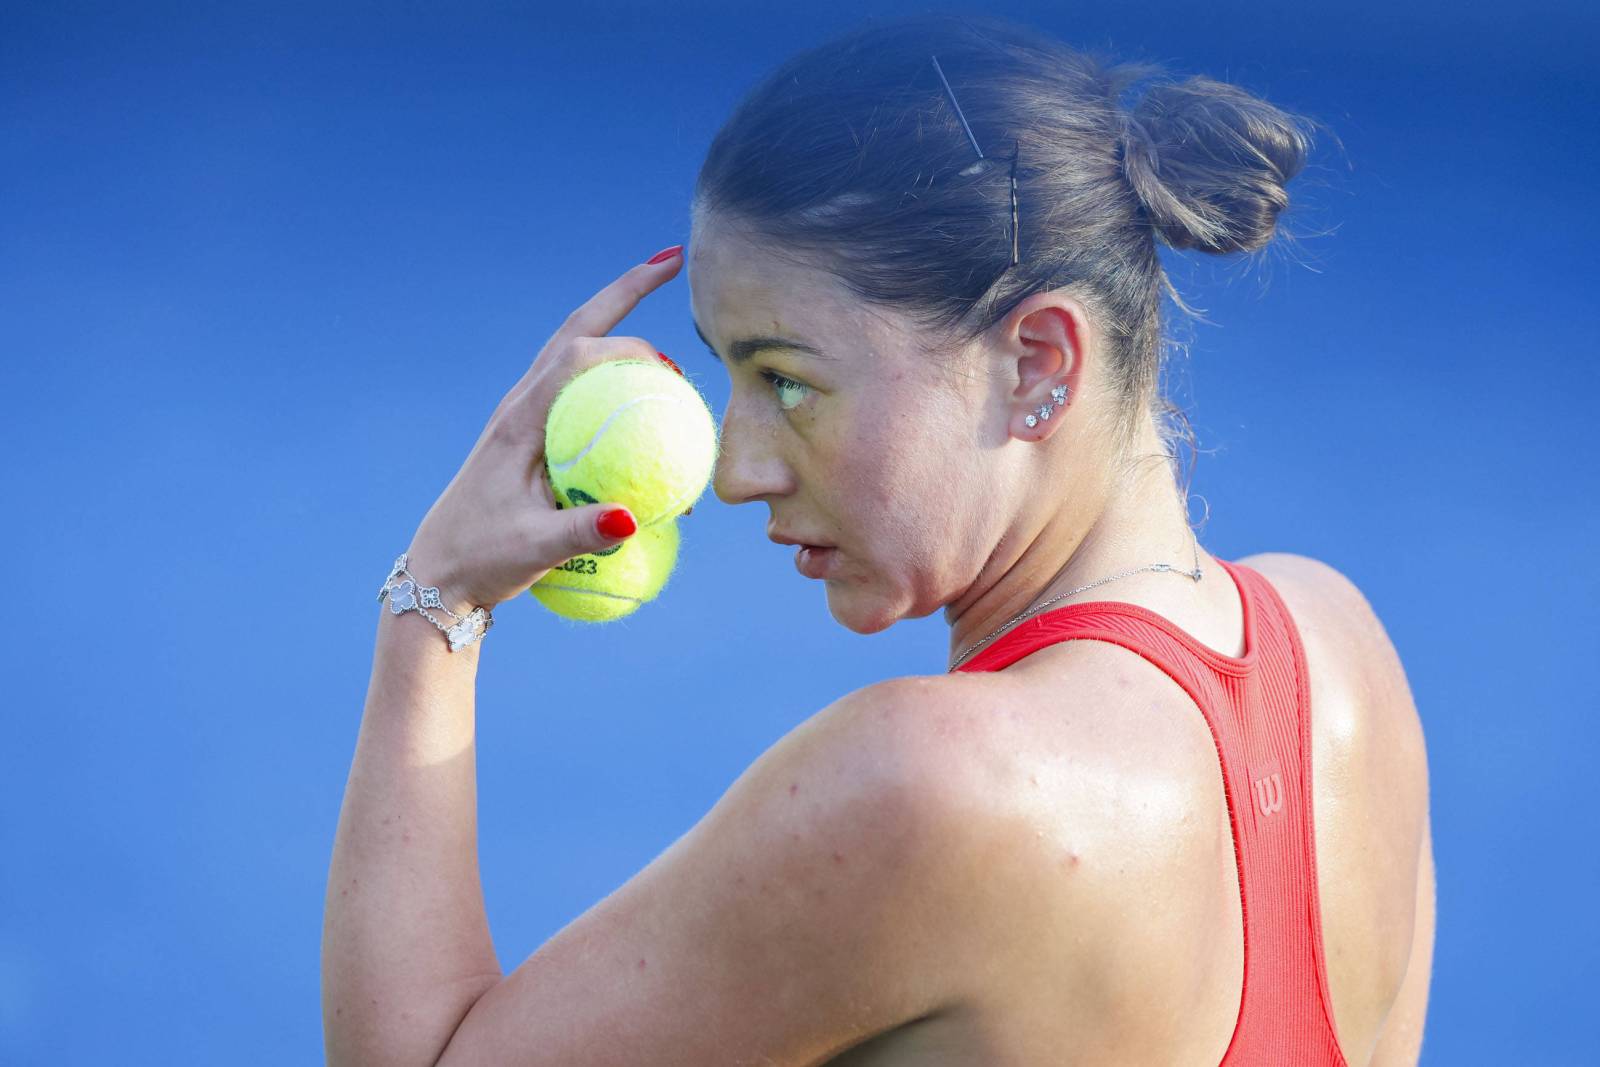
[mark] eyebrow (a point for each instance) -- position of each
(742, 349)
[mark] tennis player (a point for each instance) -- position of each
(1161, 808)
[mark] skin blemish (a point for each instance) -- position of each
(838, 858)
(641, 963)
(1069, 859)
(739, 880)
(794, 787)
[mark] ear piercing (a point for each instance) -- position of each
(1058, 396)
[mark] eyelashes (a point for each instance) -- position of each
(781, 384)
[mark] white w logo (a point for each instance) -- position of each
(1269, 794)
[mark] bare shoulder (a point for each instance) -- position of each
(1326, 596)
(1369, 728)
(1371, 806)
(919, 734)
(953, 779)
(1339, 626)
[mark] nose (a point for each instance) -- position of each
(749, 463)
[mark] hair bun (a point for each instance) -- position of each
(1210, 162)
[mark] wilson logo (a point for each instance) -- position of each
(1269, 793)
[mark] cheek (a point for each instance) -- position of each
(903, 487)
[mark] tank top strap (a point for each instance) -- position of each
(1257, 707)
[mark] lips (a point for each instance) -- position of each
(785, 539)
(814, 561)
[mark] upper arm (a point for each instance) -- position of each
(1400, 1038)
(795, 919)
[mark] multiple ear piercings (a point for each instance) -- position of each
(1058, 396)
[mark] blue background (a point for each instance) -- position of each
(265, 272)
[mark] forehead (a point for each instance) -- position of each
(739, 285)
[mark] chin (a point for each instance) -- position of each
(859, 614)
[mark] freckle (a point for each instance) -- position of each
(794, 787)
(821, 893)
(338, 1011)
(838, 858)
(342, 892)
(405, 1015)
(795, 834)
(739, 880)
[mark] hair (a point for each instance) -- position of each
(849, 158)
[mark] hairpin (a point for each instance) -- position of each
(1015, 256)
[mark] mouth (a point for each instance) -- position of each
(781, 539)
(814, 561)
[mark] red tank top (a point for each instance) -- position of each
(1258, 708)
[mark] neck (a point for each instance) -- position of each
(1141, 521)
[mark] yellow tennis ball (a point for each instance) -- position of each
(630, 432)
(612, 583)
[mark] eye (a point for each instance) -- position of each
(781, 385)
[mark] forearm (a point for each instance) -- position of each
(406, 949)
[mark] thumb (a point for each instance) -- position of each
(596, 527)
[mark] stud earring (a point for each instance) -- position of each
(1058, 396)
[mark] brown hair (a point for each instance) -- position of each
(849, 158)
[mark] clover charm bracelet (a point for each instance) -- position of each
(412, 595)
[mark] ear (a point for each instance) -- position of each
(1051, 332)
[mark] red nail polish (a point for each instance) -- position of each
(665, 254)
(616, 523)
(671, 364)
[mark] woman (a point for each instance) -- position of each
(925, 254)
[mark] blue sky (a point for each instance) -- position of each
(266, 270)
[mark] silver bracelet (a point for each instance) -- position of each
(412, 595)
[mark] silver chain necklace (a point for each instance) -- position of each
(1195, 574)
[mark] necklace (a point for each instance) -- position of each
(1195, 574)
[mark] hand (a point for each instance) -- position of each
(495, 530)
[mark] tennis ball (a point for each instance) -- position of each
(631, 432)
(613, 582)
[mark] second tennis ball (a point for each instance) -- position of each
(608, 585)
(631, 432)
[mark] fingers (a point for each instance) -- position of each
(600, 314)
(540, 385)
(580, 343)
(579, 534)
(586, 352)
(595, 318)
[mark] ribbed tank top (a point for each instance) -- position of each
(1258, 708)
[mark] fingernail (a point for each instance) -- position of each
(671, 364)
(616, 524)
(665, 254)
